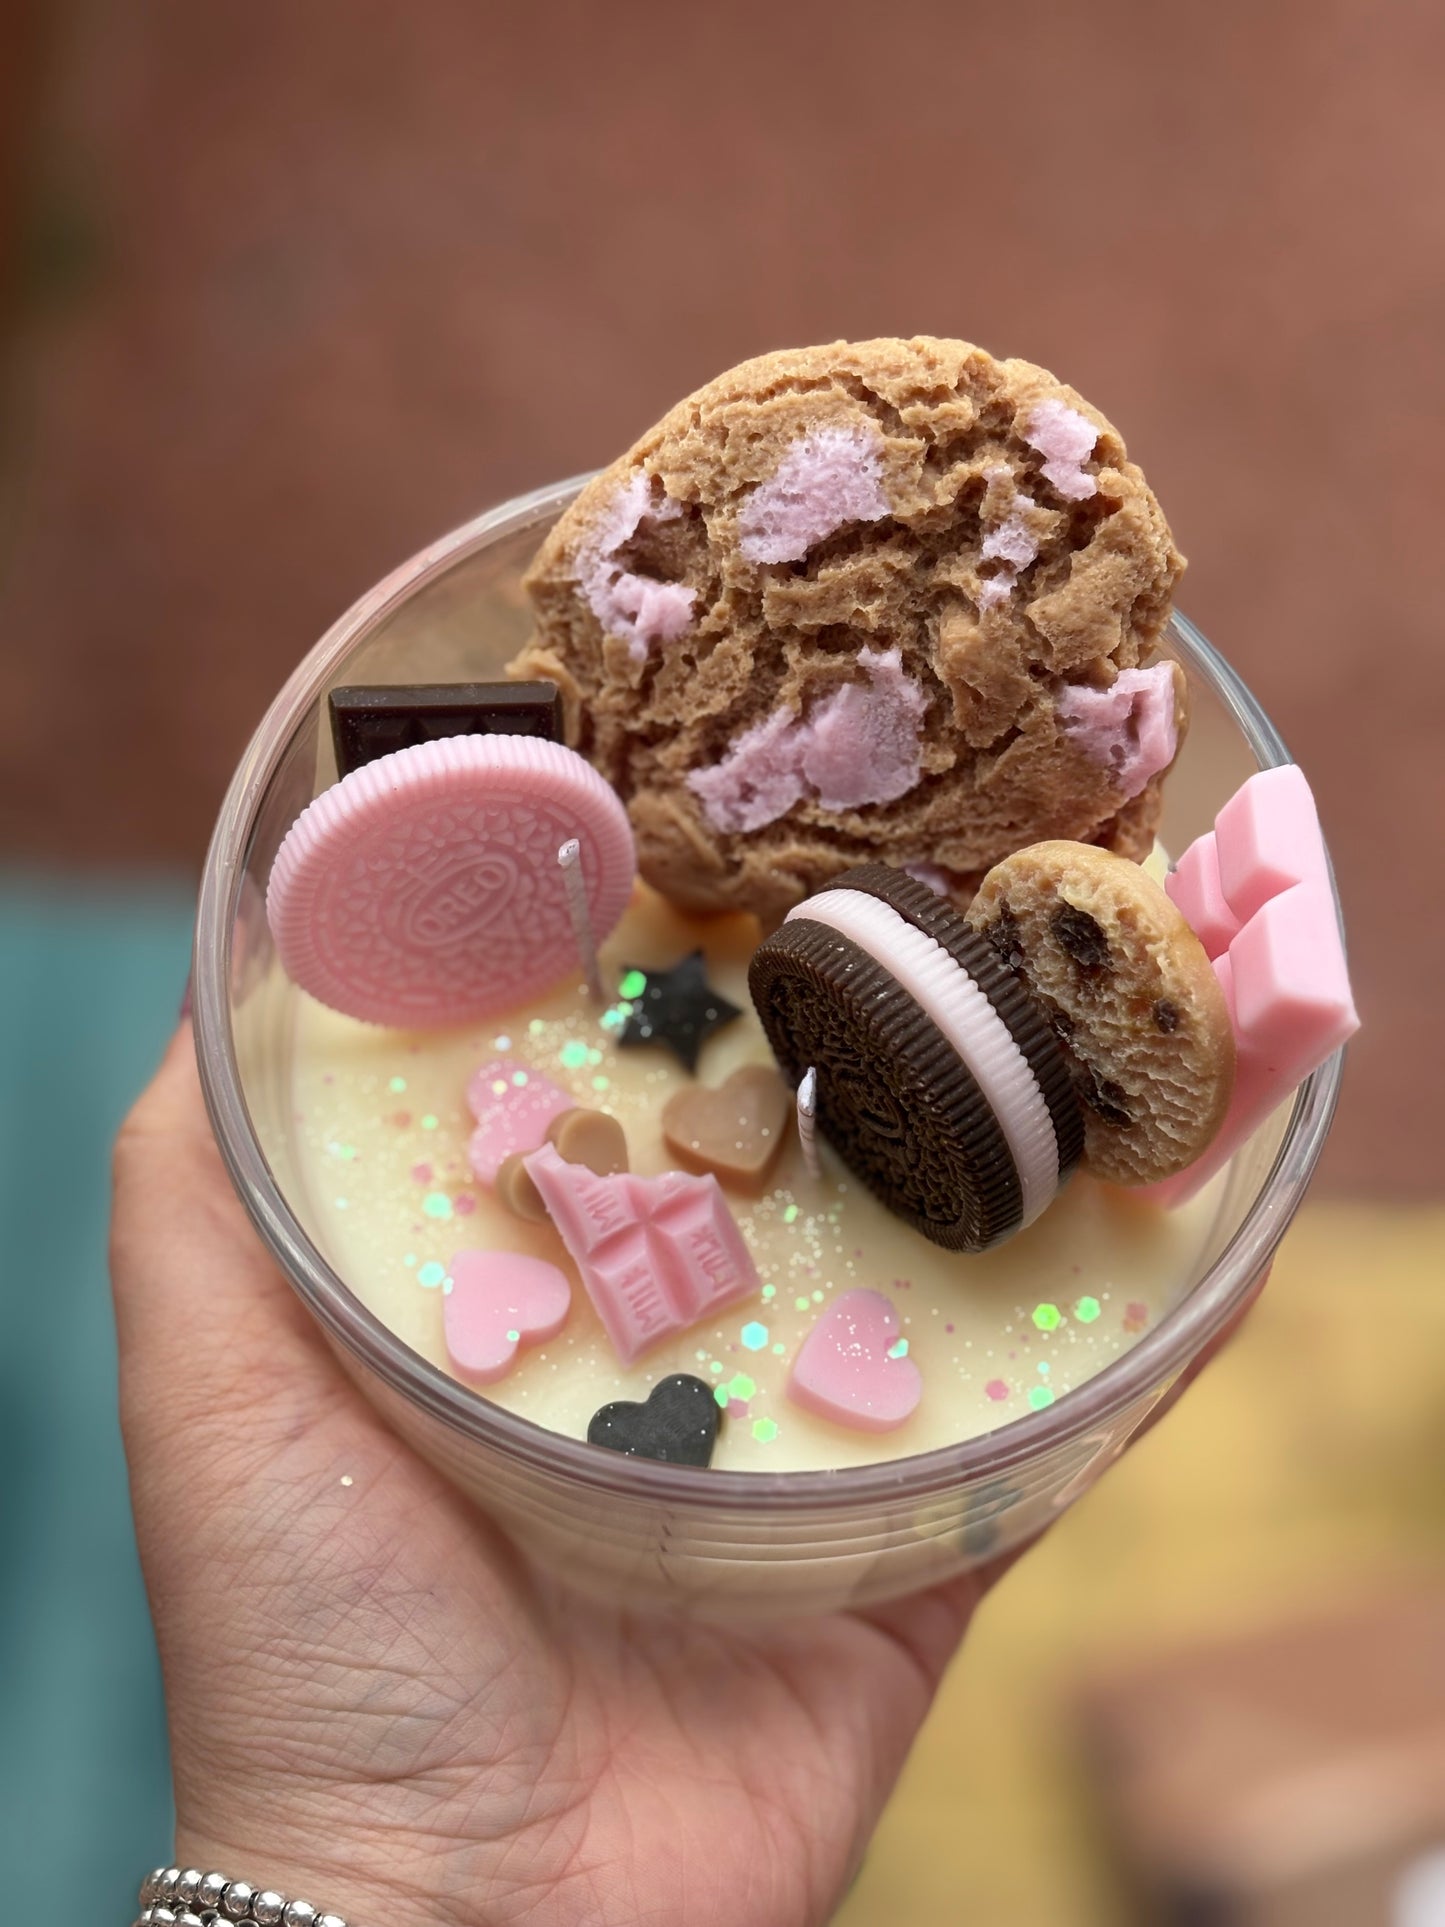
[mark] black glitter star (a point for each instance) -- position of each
(676, 1007)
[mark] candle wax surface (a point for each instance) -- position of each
(380, 1135)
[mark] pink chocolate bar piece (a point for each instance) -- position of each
(655, 1254)
(1288, 989)
(1268, 839)
(1194, 888)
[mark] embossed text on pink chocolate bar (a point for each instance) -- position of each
(656, 1254)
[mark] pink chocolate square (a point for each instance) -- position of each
(1268, 838)
(1193, 886)
(655, 1254)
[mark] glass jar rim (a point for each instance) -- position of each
(1157, 1357)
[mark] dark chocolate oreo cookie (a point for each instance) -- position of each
(894, 1099)
(1027, 1023)
(939, 1083)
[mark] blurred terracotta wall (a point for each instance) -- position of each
(304, 286)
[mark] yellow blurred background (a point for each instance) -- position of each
(286, 291)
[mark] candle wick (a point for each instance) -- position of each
(569, 861)
(807, 1112)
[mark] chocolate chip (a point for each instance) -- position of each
(1105, 1098)
(1166, 1014)
(1003, 934)
(1078, 934)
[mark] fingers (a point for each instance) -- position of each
(204, 1318)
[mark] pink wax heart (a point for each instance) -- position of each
(655, 1254)
(511, 1116)
(424, 888)
(849, 1368)
(498, 1301)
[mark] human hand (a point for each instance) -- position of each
(374, 1704)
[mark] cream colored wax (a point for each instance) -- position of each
(381, 1127)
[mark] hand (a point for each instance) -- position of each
(375, 1706)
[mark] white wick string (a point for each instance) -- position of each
(569, 861)
(807, 1111)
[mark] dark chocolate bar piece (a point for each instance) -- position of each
(371, 722)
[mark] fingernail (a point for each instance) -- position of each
(185, 1001)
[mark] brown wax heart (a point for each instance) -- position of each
(582, 1136)
(736, 1131)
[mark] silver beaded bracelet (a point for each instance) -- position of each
(182, 1897)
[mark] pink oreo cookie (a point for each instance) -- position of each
(1256, 890)
(424, 888)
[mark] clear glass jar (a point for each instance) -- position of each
(723, 1543)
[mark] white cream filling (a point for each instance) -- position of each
(943, 988)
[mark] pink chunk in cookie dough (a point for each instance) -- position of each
(862, 745)
(859, 747)
(1065, 439)
(1012, 541)
(827, 479)
(1128, 727)
(636, 607)
(758, 780)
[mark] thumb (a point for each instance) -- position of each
(205, 1321)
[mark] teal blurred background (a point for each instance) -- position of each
(98, 968)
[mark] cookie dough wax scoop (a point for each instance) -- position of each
(889, 601)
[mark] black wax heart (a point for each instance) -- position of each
(678, 1423)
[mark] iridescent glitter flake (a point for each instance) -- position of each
(1040, 1397)
(765, 1430)
(754, 1336)
(1087, 1310)
(431, 1275)
(1048, 1317)
(436, 1204)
